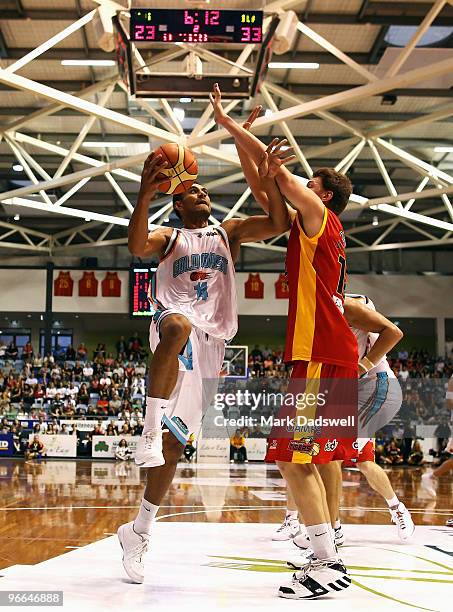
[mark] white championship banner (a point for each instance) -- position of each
(58, 446)
(105, 446)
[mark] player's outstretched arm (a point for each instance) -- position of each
(250, 168)
(301, 198)
(260, 227)
(361, 317)
(140, 242)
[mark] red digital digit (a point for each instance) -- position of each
(150, 32)
(212, 17)
(256, 34)
(196, 29)
(188, 19)
(245, 36)
(139, 32)
(167, 37)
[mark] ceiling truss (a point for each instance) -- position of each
(391, 211)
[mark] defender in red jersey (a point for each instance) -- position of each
(317, 335)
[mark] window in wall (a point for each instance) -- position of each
(61, 339)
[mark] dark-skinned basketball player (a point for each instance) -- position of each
(319, 343)
(194, 298)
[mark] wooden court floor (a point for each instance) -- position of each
(52, 507)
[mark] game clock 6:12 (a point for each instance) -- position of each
(196, 26)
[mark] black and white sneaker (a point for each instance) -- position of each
(317, 579)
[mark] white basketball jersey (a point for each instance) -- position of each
(196, 278)
(365, 340)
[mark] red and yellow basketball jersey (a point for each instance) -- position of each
(63, 285)
(88, 285)
(316, 268)
(254, 287)
(111, 285)
(281, 287)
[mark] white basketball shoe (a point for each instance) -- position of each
(318, 578)
(149, 449)
(428, 484)
(288, 530)
(403, 520)
(135, 546)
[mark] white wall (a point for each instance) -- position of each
(22, 290)
(397, 296)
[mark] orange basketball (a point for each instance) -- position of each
(182, 169)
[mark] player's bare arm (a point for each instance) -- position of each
(304, 200)
(260, 227)
(142, 243)
(361, 317)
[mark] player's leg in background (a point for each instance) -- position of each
(429, 478)
(290, 528)
(379, 481)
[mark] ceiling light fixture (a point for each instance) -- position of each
(16, 217)
(375, 221)
(185, 100)
(443, 149)
(88, 62)
(101, 145)
(180, 113)
(18, 167)
(294, 65)
(388, 100)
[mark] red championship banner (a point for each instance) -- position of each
(254, 287)
(111, 285)
(88, 285)
(281, 287)
(63, 285)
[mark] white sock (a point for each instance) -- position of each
(337, 524)
(321, 541)
(392, 502)
(145, 517)
(291, 515)
(154, 412)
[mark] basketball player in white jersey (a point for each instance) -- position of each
(194, 298)
(379, 399)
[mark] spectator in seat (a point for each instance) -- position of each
(123, 452)
(91, 410)
(189, 449)
(416, 455)
(114, 404)
(237, 448)
(70, 353)
(27, 352)
(135, 346)
(64, 430)
(121, 348)
(35, 449)
(83, 396)
(98, 429)
(82, 352)
(88, 371)
(77, 372)
(12, 351)
(111, 430)
(392, 454)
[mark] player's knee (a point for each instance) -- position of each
(172, 448)
(175, 328)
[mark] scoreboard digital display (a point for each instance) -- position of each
(140, 279)
(196, 26)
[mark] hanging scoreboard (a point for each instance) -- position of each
(196, 26)
(140, 279)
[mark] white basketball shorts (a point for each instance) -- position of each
(200, 363)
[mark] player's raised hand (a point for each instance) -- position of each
(252, 117)
(275, 157)
(216, 100)
(153, 166)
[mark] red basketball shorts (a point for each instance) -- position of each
(299, 444)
